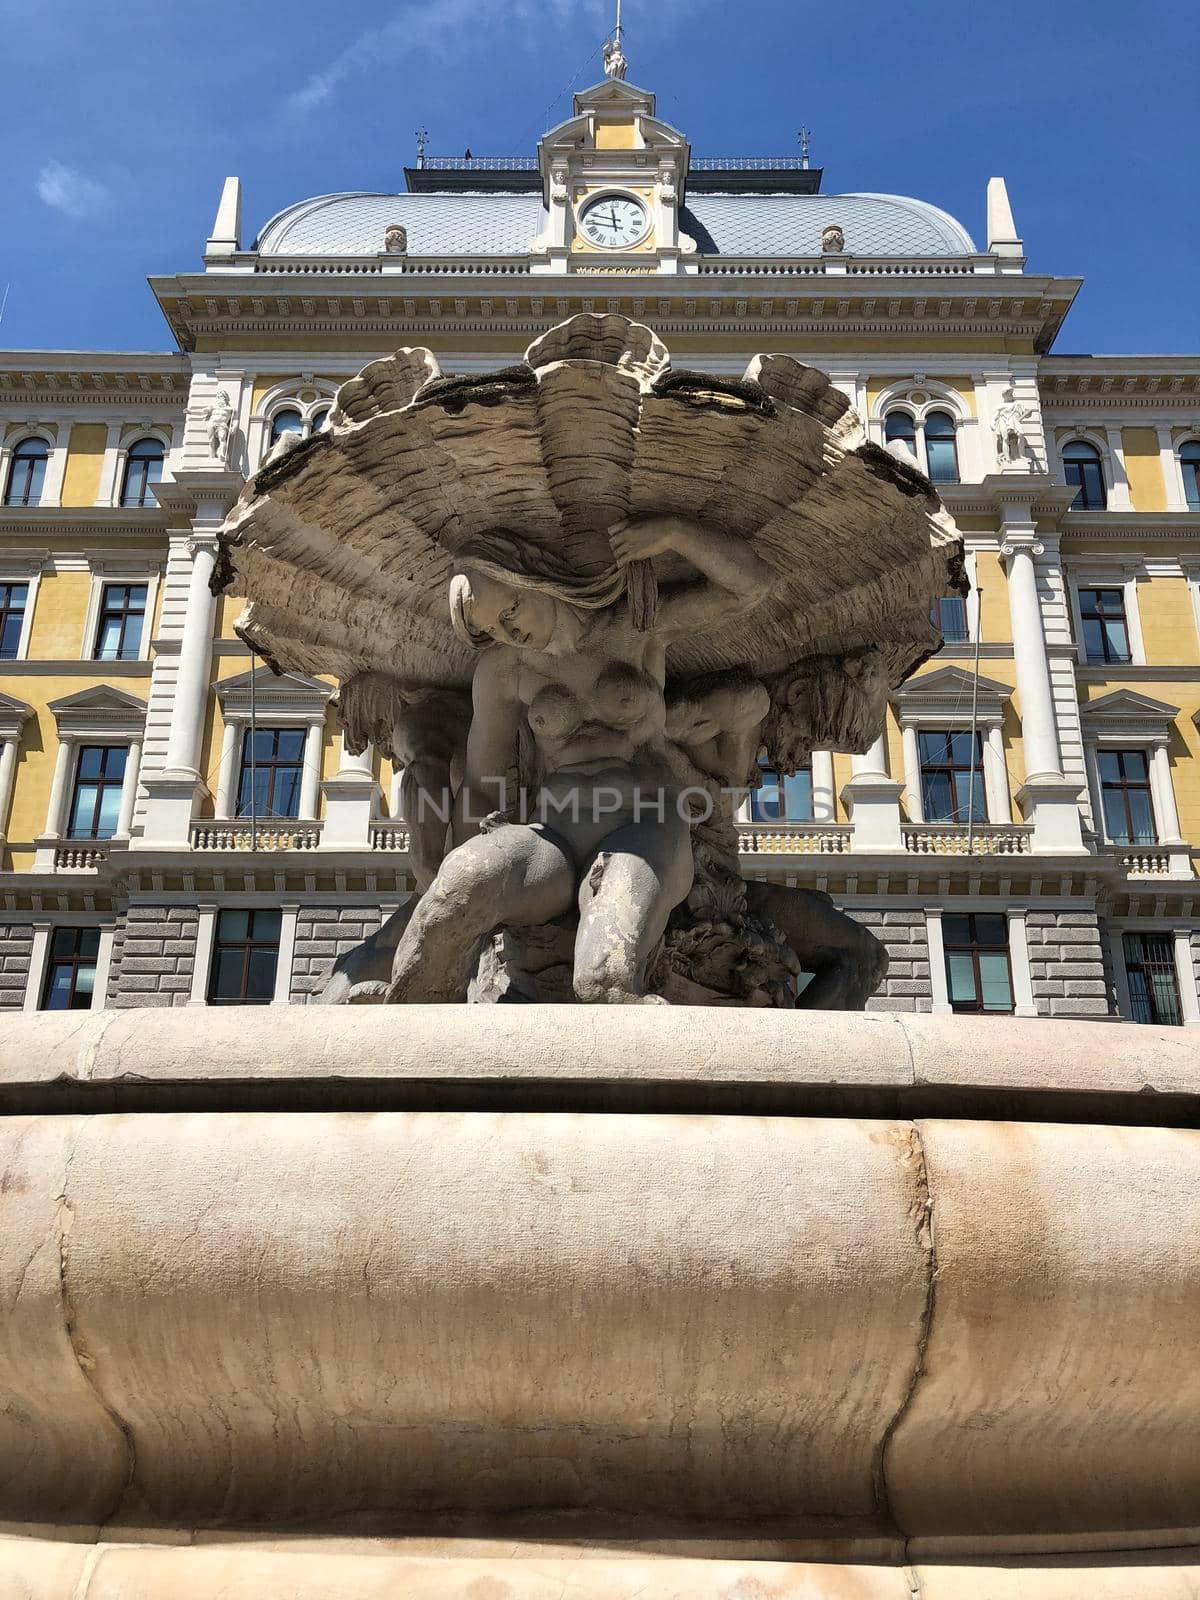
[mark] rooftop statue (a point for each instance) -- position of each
(576, 599)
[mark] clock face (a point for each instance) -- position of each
(614, 221)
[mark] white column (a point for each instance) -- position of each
(350, 802)
(1118, 494)
(287, 949)
(206, 929)
(1185, 975)
(873, 762)
(1166, 813)
(1171, 471)
(310, 775)
(1051, 798)
(939, 988)
(822, 787)
(133, 763)
(56, 812)
(103, 967)
(8, 773)
(995, 776)
(195, 658)
(38, 956)
(1018, 961)
(226, 775)
(108, 492)
(912, 773)
(873, 800)
(172, 792)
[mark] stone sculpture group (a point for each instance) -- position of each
(577, 601)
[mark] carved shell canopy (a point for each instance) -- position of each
(345, 546)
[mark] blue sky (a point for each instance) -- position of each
(122, 120)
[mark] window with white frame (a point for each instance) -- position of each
(1128, 738)
(783, 798)
(953, 773)
(1106, 614)
(14, 602)
(27, 473)
(931, 442)
(979, 976)
(1083, 468)
(278, 772)
(96, 768)
(120, 615)
(143, 469)
(1152, 978)
(288, 410)
(1189, 463)
(71, 966)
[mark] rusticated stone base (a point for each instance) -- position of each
(489, 1301)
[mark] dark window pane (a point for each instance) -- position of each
(1189, 457)
(1141, 817)
(291, 744)
(996, 993)
(960, 976)
(285, 422)
(942, 458)
(89, 943)
(1153, 984)
(233, 925)
(27, 473)
(264, 925)
(62, 942)
(227, 974)
(260, 981)
(990, 929)
(58, 989)
(956, 929)
(1109, 762)
(1081, 466)
(951, 618)
(766, 802)
(900, 425)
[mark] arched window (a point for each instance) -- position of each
(900, 425)
(27, 473)
(941, 454)
(143, 469)
(285, 422)
(1189, 460)
(318, 419)
(1081, 463)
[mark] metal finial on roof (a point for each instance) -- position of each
(615, 64)
(804, 136)
(422, 137)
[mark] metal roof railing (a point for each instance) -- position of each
(529, 164)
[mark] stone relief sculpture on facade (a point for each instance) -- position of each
(218, 419)
(1013, 451)
(576, 599)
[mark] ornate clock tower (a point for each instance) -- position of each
(613, 181)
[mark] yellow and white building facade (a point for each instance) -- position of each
(180, 827)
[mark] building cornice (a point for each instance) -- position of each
(90, 377)
(501, 297)
(41, 522)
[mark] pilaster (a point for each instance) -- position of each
(873, 801)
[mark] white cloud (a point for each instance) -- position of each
(419, 27)
(71, 191)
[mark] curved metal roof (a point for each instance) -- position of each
(506, 225)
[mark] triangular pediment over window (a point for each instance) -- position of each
(99, 712)
(948, 695)
(1127, 706)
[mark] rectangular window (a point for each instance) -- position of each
(1125, 796)
(71, 970)
(272, 764)
(99, 779)
(950, 617)
(245, 956)
(783, 799)
(1105, 629)
(978, 974)
(952, 777)
(14, 597)
(1153, 981)
(122, 617)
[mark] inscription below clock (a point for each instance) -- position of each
(614, 221)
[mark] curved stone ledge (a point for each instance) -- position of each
(608, 1058)
(974, 1335)
(44, 1570)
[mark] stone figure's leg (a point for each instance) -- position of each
(512, 874)
(363, 975)
(636, 879)
(426, 802)
(848, 963)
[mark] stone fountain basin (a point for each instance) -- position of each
(588, 1289)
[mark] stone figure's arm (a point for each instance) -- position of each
(734, 579)
(491, 746)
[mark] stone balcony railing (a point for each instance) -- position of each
(81, 855)
(1147, 862)
(389, 836)
(954, 839)
(795, 839)
(264, 836)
